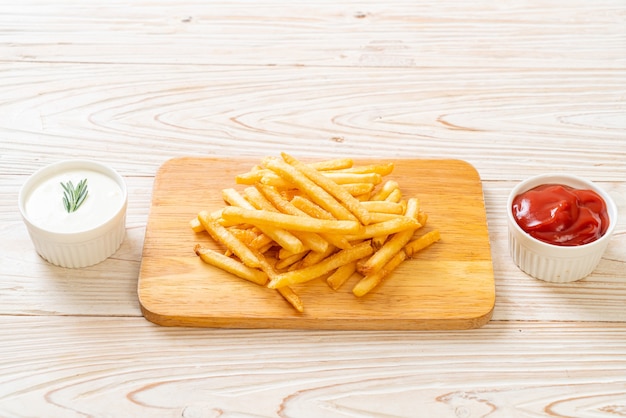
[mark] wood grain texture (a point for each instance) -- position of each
(515, 88)
(448, 286)
(508, 123)
(397, 33)
(75, 367)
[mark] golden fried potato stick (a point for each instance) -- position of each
(316, 193)
(252, 176)
(257, 172)
(378, 217)
(367, 283)
(422, 242)
(231, 265)
(291, 297)
(312, 258)
(394, 245)
(379, 241)
(351, 178)
(285, 206)
(234, 198)
(224, 237)
(246, 236)
(388, 187)
(285, 262)
(341, 275)
(311, 208)
(281, 236)
(382, 169)
(394, 196)
(271, 200)
(397, 224)
(332, 188)
(195, 225)
(383, 206)
(287, 293)
(334, 164)
(273, 179)
(360, 191)
(325, 266)
(422, 218)
(263, 218)
(261, 241)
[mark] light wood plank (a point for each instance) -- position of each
(508, 123)
(74, 367)
(394, 33)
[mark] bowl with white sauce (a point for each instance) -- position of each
(75, 212)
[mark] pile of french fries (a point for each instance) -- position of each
(294, 222)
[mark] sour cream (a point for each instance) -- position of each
(44, 204)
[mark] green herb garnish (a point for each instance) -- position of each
(73, 197)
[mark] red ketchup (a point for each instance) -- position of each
(561, 215)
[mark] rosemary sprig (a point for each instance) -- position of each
(73, 197)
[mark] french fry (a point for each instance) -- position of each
(351, 178)
(290, 296)
(316, 193)
(378, 217)
(422, 242)
(257, 172)
(392, 246)
(274, 180)
(327, 265)
(397, 224)
(381, 169)
(334, 164)
(341, 275)
(285, 262)
(282, 237)
(251, 177)
(291, 222)
(422, 218)
(234, 198)
(231, 265)
(332, 188)
(261, 241)
(394, 196)
(223, 236)
(260, 201)
(367, 283)
(246, 235)
(388, 187)
(359, 190)
(313, 258)
(383, 206)
(285, 206)
(195, 225)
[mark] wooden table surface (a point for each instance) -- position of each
(515, 88)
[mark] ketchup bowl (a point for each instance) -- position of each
(75, 212)
(567, 248)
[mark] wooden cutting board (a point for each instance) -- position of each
(449, 285)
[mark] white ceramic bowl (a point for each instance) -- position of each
(92, 233)
(555, 263)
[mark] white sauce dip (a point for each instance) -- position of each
(44, 204)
